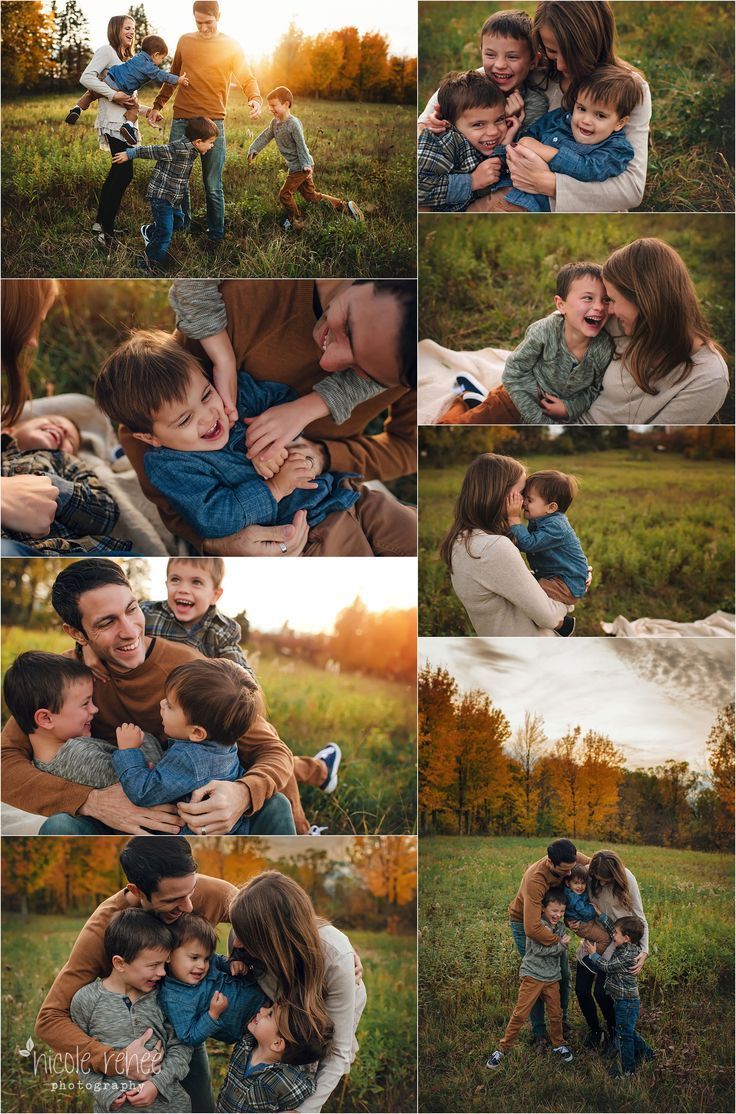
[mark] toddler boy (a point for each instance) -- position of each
(578, 907)
(287, 132)
(555, 555)
(118, 1009)
(52, 432)
(540, 975)
(624, 989)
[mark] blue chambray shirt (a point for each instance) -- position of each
(221, 492)
(587, 162)
(138, 70)
(184, 767)
(553, 549)
(577, 907)
(185, 1006)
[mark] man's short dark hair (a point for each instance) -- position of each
(567, 275)
(633, 927)
(200, 127)
(145, 860)
(216, 694)
(209, 7)
(80, 577)
(461, 90)
(562, 851)
(405, 291)
(557, 894)
(281, 93)
(39, 680)
(154, 44)
(191, 927)
(132, 930)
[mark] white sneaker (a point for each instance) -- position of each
(331, 755)
(315, 830)
(494, 1060)
(563, 1052)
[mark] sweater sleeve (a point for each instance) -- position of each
(699, 398)
(174, 1066)
(100, 61)
(261, 140)
(31, 789)
(508, 576)
(637, 908)
(244, 76)
(340, 1005)
(345, 390)
(429, 107)
(380, 456)
(268, 763)
(104, 1088)
(519, 377)
(199, 307)
(583, 399)
(297, 132)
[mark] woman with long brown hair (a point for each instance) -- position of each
(304, 963)
(487, 570)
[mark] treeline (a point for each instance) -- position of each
(477, 776)
(441, 447)
(371, 888)
(47, 50)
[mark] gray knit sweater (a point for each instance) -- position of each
(542, 961)
(88, 761)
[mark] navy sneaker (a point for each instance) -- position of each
(494, 1060)
(130, 134)
(72, 116)
(567, 628)
(563, 1052)
(331, 755)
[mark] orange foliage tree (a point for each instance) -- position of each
(720, 747)
(388, 869)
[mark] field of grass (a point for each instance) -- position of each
(382, 1077)
(684, 50)
(468, 979)
(52, 175)
(373, 721)
(657, 531)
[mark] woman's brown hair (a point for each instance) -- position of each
(114, 32)
(651, 275)
(23, 302)
(585, 31)
(607, 865)
(276, 925)
(481, 504)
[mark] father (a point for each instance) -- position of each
(97, 606)
(209, 59)
(163, 880)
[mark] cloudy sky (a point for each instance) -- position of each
(655, 698)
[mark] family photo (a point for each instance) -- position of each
(191, 696)
(585, 530)
(240, 418)
(208, 139)
(576, 106)
(595, 320)
(169, 974)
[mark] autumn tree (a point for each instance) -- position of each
(373, 66)
(72, 49)
(527, 747)
(27, 43)
(566, 779)
(676, 782)
(26, 864)
(600, 773)
(388, 868)
(437, 691)
(720, 749)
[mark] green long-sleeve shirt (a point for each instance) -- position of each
(542, 961)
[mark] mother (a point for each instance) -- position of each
(576, 37)
(306, 963)
(488, 573)
(615, 891)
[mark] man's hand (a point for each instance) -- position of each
(637, 966)
(183, 79)
(553, 406)
(268, 468)
(113, 808)
(129, 736)
(434, 122)
(135, 1061)
(120, 158)
(255, 108)
(313, 449)
(153, 116)
(486, 174)
(29, 504)
(262, 541)
(218, 1005)
(143, 1095)
(216, 807)
(124, 99)
(514, 504)
(295, 474)
(96, 665)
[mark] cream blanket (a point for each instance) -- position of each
(437, 369)
(718, 625)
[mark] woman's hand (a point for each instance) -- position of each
(124, 99)
(29, 504)
(553, 406)
(530, 173)
(262, 541)
(216, 807)
(514, 504)
(434, 122)
(637, 966)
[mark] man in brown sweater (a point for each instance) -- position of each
(281, 329)
(525, 916)
(163, 880)
(209, 59)
(98, 607)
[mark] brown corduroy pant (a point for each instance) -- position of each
(529, 991)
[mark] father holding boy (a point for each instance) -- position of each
(210, 59)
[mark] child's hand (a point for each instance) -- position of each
(553, 406)
(183, 79)
(544, 150)
(269, 468)
(515, 104)
(143, 1095)
(565, 940)
(434, 122)
(589, 947)
(514, 504)
(238, 968)
(486, 174)
(270, 432)
(296, 474)
(129, 737)
(95, 665)
(120, 158)
(218, 1005)
(513, 122)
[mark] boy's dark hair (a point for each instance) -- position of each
(213, 566)
(303, 1046)
(143, 374)
(80, 577)
(200, 127)
(614, 86)
(554, 487)
(567, 275)
(145, 860)
(578, 871)
(154, 44)
(511, 24)
(191, 927)
(556, 893)
(132, 930)
(281, 93)
(39, 680)
(461, 90)
(633, 927)
(562, 851)
(209, 7)
(405, 291)
(216, 694)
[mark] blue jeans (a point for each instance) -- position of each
(167, 219)
(631, 1047)
(212, 164)
(539, 1028)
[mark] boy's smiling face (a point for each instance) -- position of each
(577, 885)
(280, 109)
(506, 61)
(484, 128)
(145, 972)
(585, 306)
(618, 937)
(535, 506)
(554, 912)
(196, 423)
(189, 962)
(593, 121)
(190, 592)
(54, 432)
(74, 718)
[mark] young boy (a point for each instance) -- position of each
(200, 995)
(540, 978)
(168, 184)
(207, 706)
(287, 132)
(623, 988)
(263, 1073)
(593, 925)
(52, 432)
(555, 555)
(118, 1009)
(587, 143)
(462, 163)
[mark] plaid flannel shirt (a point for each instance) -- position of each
(86, 512)
(444, 165)
(620, 983)
(214, 635)
(272, 1087)
(174, 162)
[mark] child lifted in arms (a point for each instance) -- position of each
(552, 547)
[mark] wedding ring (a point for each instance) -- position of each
(203, 831)
(282, 547)
(310, 461)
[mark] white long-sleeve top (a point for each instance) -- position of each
(110, 115)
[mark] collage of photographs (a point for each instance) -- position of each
(375, 849)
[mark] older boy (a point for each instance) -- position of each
(622, 986)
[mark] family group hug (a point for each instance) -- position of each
(598, 900)
(246, 428)
(145, 988)
(153, 721)
(204, 65)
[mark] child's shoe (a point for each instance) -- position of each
(73, 115)
(315, 830)
(567, 628)
(355, 211)
(146, 233)
(331, 755)
(495, 1058)
(130, 134)
(563, 1052)
(288, 225)
(472, 391)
